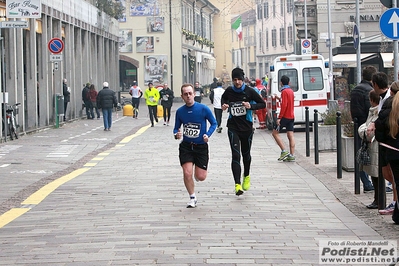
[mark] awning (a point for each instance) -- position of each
(347, 60)
(388, 59)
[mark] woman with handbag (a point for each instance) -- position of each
(366, 133)
(387, 133)
(93, 101)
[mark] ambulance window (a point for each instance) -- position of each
(292, 74)
(313, 79)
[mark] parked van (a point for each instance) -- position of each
(308, 79)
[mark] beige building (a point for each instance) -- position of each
(229, 51)
(274, 30)
(167, 42)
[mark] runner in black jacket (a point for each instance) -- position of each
(241, 100)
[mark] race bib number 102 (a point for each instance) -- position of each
(237, 109)
(192, 130)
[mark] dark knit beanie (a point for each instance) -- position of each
(237, 73)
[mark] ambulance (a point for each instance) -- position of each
(308, 79)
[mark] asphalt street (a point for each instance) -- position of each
(79, 195)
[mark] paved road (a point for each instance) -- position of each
(80, 196)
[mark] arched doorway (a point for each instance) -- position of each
(128, 71)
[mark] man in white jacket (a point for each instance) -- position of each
(215, 97)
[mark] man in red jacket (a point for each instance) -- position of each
(285, 119)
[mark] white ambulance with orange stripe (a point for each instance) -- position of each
(308, 79)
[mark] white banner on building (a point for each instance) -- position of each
(23, 9)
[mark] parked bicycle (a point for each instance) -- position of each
(12, 124)
(125, 100)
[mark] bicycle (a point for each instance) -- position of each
(12, 124)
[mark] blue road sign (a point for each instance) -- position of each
(306, 43)
(389, 23)
(356, 37)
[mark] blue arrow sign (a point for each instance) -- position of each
(356, 37)
(389, 23)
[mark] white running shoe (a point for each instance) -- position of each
(192, 203)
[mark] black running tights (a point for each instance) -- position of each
(240, 142)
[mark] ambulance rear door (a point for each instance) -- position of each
(313, 87)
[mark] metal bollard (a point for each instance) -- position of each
(307, 130)
(316, 136)
(356, 147)
(339, 146)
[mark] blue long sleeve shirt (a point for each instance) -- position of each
(194, 120)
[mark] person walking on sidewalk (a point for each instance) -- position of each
(366, 133)
(238, 99)
(93, 101)
(106, 100)
(193, 149)
(216, 97)
(86, 99)
(151, 96)
(359, 108)
(167, 96)
(285, 119)
(136, 93)
(67, 96)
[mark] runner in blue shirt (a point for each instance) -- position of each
(193, 150)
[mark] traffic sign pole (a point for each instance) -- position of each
(389, 27)
(358, 50)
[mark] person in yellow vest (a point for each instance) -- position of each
(151, 96)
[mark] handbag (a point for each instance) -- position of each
(362, 155)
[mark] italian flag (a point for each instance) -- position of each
(238, 27)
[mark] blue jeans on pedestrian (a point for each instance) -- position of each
(107, 117)
(364, 177)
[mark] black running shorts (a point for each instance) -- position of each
(285, 123)
(195, 153)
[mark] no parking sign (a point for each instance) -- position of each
(306, 46)
(56, 45)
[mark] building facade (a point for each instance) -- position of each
(167, 42)
(244, 50)
(33, 77)
(275, 32)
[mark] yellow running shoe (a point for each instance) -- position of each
(239, 190)
(246, 183)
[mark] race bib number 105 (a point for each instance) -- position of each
(192, 130)
(237, 109)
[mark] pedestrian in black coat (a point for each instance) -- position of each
(106, 100)
(67, 96)
(359, 107)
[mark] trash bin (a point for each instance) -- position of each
(127, 110)
(59, 104)
(159, 111)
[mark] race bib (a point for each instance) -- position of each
(197, 93)
(165, 98)
(191, 130)
(238, 109)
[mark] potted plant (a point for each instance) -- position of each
(328, 129)
(347, 141)
(327, 134)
